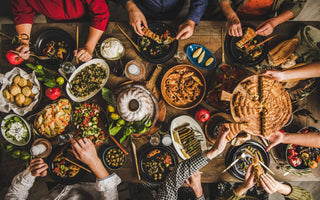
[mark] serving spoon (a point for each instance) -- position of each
(34, 55)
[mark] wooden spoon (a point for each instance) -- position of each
(151, 84)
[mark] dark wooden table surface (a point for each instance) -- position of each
(207, 33)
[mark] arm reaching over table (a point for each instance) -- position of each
(136, 18)
(311, 139)
(234, 24)
(106, 184)
(195, 183)
(22, 182)
(311, 70)
(169, 189)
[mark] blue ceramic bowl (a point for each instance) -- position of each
(192, 48)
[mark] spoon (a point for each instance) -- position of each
(34, 55)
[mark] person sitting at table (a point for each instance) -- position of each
(84, 150)
(138, 10)
(24, 11)
(279, 10)
(187, 170)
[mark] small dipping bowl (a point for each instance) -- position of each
(135, 70)
(43, 146)
(105, 46)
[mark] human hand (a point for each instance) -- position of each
(220, 143)
(266, 27)
(24, 51)
(186, 30)
(270, 185)
(234, 25)
(278, 75)
(85, 151)
(195, 183)
(38, 167)
(84, 54)
(248, 183)
(136, 18)
(275, 139)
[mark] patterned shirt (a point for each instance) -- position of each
(169, 189)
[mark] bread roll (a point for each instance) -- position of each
(29, 84)
(6, 94)
(26, 91)
(19, 99)
(27, 101)
(16, 79)
(14, 90)
(22, 82)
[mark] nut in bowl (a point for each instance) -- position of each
(113, 158)
(183, 87)
(112, 49)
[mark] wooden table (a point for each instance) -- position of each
(207, 33)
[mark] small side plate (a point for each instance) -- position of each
(192, 48)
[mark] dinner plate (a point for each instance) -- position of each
(237, 55)
(142, 158)
(192, 48)
(158, 28)
(93, 61)
(180, 121)
(235, 151)
(57, 35)
(11, 140)
(65, 180)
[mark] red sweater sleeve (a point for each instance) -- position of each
(99, 13)
(22, 12)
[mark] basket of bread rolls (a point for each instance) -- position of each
(20, 92)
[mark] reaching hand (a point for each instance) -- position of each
(195, 183)
(85, 151)
(249, 181)
(270, 185)
(84, 54)
(186, 30)
(278, 75)
(38, 167)
(265, 28)
(220, 144)
(24, 51)
(136, 18)
(275, 139)
(234, 26)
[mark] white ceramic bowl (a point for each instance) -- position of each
(93, 61)
(9, 139)
(106, 41)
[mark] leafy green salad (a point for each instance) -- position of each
(16, 129)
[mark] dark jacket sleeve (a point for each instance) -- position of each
(99, 14)
(197, 9)
(22, 12)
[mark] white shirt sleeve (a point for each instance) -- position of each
(108, 187)
(20, 185)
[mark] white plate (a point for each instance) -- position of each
(179, 121)
(9, 139)
(93, 61)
